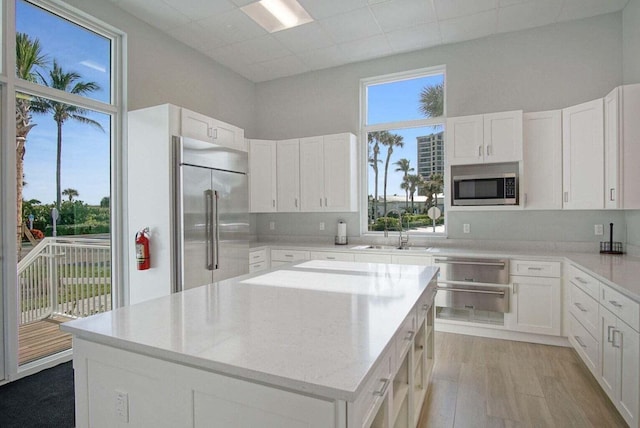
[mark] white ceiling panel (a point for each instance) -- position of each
(354, 25)
(304, 38)
(469, 27)
(447, 9)
(346, 31)
(528, 15)
(397, 14)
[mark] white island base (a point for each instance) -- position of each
(127, 375)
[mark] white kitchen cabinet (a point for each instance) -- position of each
(536, 297)
(281, 257)
(582, 156)
(621, 131)
(331, 255)
(201, 127)
(373, 257)
(328, 173)
(489, 138)
(258, 260)
(262, 176)
(288, 175)
(620, 377)
(542, 158)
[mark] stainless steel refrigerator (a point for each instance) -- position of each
(212, 213)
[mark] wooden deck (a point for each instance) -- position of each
(42, 338)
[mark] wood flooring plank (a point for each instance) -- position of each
(440, 405)
(501, 393)
(471, 403)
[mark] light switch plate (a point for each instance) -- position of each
(599, 229)
(322, 225)
(122, 406)
(272, 225)
(466, 228)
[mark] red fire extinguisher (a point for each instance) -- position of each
(143, 257)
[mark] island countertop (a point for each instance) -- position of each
(316, 327)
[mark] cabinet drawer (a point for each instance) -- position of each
(424, 304)
(623, 307)
(405, 336)
(585, 281)
(327, 255)
(374, 391)
(585, 308)
(256, 267)
(535, 268)
(289, 255)
(585, 344)
(258, 256)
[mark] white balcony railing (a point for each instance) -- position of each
(68, 276)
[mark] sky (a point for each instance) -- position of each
(391, 102)
(85, 149)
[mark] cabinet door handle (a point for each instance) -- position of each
(296, 202)
(581, 280)
(613, 338)
(325, 202)
(526, 197)
(273, 202)
(288, 255)
(515, 288)
(609, 328)
(320, 201)
(579, 306)
(426, 307)
(385, 384)
(479, 151)
(612, 192)
(215, 133)
(330, 258)
(566, 196)
(580, 342)
(209, 132)
(410, 335)
(489, 150)
(534, 268)
(616, 304)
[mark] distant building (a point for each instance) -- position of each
(430, 155)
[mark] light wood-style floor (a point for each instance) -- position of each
(42, 338)
(481, 382)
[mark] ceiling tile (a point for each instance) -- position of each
(447, 9)
(321, 9)
(357, 24)
(260, 49)
(305, 37)
(413, 38)
(241, 3)
(195, 36)
(281, 67)
(324, 58)
(226, 55)
(528, 15)
(232, 27)
(363, 49)
(469, 27)
(158, 14)
(397, 14)
(198, 9)
(505, 3)
(578, 9)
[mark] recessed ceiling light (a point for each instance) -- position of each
(277, 15)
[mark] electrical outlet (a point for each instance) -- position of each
(122, 406)
(272, 225)
(466, 228)
(599, 229)
(322, 225)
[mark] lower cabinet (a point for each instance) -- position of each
(281, 257)
(331, 255)
(536, 305)
(258, 260)
(620, 363)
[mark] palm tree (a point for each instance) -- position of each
(414, 182)
(374, 139)
(68, 82)
(70, 193)
(29, 58)
(431, 188)
(432, 100)
(403, 165)
(393, 140)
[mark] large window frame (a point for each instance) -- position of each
(10, 85)
(365, 129)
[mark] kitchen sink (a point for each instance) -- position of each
(389, 247)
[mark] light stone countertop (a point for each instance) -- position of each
(316, 327)
(621, 272)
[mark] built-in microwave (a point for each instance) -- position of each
(485, 189)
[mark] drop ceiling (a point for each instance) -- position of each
(346, 31)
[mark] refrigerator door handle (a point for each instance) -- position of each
(216, 260)
(208, 196)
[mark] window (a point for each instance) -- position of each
(403, 126)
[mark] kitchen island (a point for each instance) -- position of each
(318, 343)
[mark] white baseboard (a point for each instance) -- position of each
(494, 333)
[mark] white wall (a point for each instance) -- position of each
(631, 42)
(163, 70)
(539, 69)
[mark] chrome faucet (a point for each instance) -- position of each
(403, 241)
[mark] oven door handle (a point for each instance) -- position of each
(470, 290)
(462, 262)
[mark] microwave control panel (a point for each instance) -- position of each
(510, 189)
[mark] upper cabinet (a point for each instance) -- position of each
(621, 131)
(488, 138)
(582, 156)
(542, 156)
(288, 175)
(328, 173)
(262, 176)
(201, 127)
